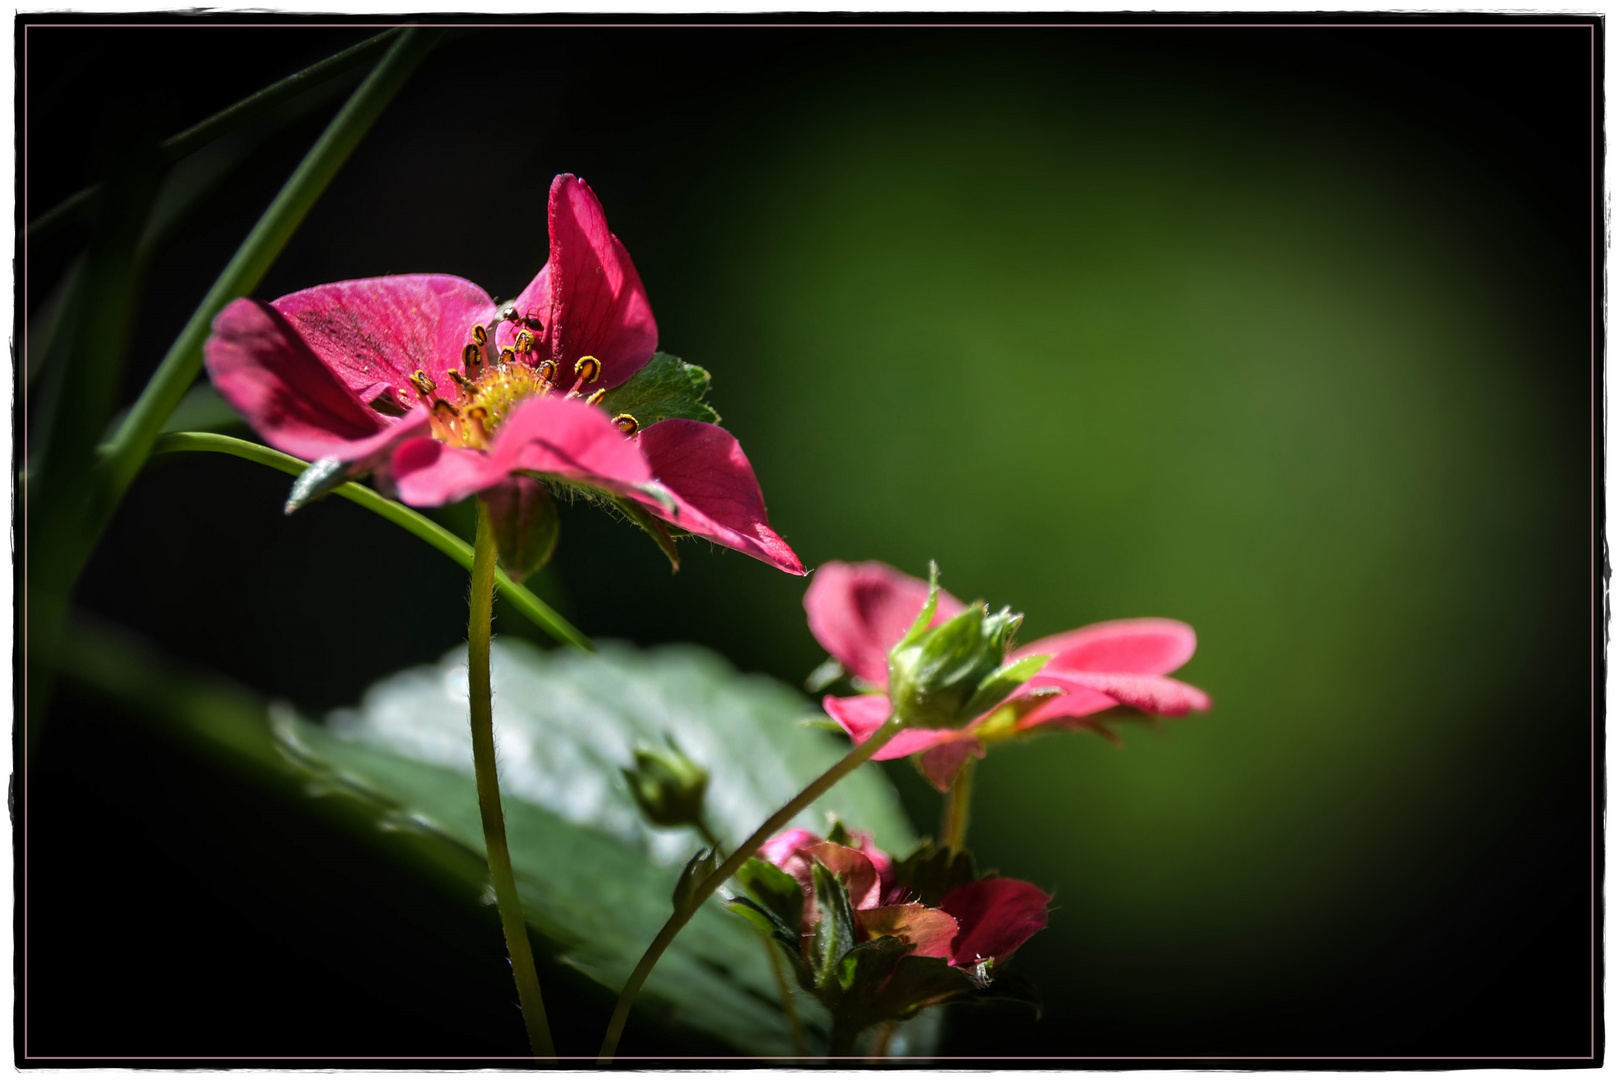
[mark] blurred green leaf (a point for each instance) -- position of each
(666, 388)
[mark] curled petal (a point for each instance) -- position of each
(426, 472)
(940, 763)
(930, 930)
(1143, 646)
(996, 916)
(1091, 691)
(858, 611)
(266, 370)
(374, 333)
(783, 845)
(860, 716)
(588, 294)
(715, 493)
(858, 873)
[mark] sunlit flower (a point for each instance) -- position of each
(859, 611)
(425, 380)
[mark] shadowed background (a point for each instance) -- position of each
(1283, 332)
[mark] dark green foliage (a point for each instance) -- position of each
(666, 388)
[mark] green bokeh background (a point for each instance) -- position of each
(1283, 338)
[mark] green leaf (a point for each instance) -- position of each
(1002, 682)
(834, 932)
(666, 388)
(917, 982)
(703, 863)
(775, 890)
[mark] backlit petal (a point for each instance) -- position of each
(930, 930)
(1091, 691)
(861, 715)
(996, 916)
(1144, 646)
(858, 611)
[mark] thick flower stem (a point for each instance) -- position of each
(958, 807)
(744, 851)
(479, 631)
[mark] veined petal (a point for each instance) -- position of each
(375, 332)
(1091, 691)
(858, 873)
(860, 716)
(266, 370)
(426, 472)
(996, 916)
(716, 495)
(940, 763)
(783, 845)
(858, 611)
(1144, 646)
(588, 294)
(565, 437)
(930, 930)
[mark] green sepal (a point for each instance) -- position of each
(666, 388)
(775, 890)
(1002, 682)
(526, 526)
(917, 982)
(761, 917)
(924, 617)
(834, 932)
(698, 870)
(320, 478)
(839, 834)
(929, 873)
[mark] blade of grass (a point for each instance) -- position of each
(221, 123)
(535, 609)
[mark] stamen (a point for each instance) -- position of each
(441, 408)
(626, 423)
(524, 342)
(472, 358)
(507, 355)
(546, 369)
(422, 383)
(476, 433)
(588, 369)
(468, 387)
(595, 398)
(479, 334)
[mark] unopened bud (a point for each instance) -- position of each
(668, 787)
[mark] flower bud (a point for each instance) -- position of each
(668, 787)
(946, 676)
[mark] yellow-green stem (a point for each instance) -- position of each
(479, 632)
(958, 807)
(744, 851)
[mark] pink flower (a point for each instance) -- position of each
(422, 378)
(858, 611)
(987, 919)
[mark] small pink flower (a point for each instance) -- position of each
(858, 611)
(422, 378)
(987, 919)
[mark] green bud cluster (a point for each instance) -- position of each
(668, 787)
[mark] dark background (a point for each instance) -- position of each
(1284, 331)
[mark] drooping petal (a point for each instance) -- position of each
(1143, 646)
(426, 472)
(266, 370)
(930, 930)
(861, 715)
(375, 332)
(858, 611)
(1091, 691)
(588, 294)
(940, 763)
(716, 495)
(858, 874)
(996, 916)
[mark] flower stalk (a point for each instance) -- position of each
(856, 757)
(480, 691)
(958, 807)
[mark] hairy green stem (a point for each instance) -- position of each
(744, 851)
(480, 627)
(531, 606)
(958, 807)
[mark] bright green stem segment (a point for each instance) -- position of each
(479, 632)
(179, 368)
(535, 609)
(958, 807)
(744, 851)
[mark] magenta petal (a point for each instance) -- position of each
(1155, 694)
(1145, 646)
(594, 302)
(716, 495)
(858, 611)
(564, 437)
(268, 373)
(426, 472)
(783, 845)
(858, 873)
(930, 930)
(860, 716)
(996, 915)
(375, 332)
(940, 764)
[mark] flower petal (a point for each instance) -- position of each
(930, 930)
(716, 495)
(266, 370)
(940, 763)
(996, 916)
(565, 437)
(857, 872)
(588, 294)
(376, 331)
(1145, 646)
(858, 611)
(860, 716)
(783, 845)
(426, 472)
(1091, 691)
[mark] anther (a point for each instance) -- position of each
(524, 342)
(422, 383)
(507, 355)
(443, 408)
(587, 369)
(626, 423)
(479, 334)
(595, 398)
(468, 387)
(546, 369)
(472, 357)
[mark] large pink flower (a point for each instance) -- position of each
(859, 611)
(987, 919)
(422, 378)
